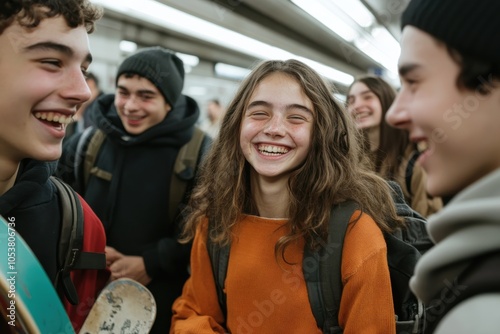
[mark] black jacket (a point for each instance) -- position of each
(33, 204)
(133, 206)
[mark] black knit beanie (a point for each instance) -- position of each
(160, 66)
(470, 27)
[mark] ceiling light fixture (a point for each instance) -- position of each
(357, 11)
(170, 18)
(230, 71)
(188, 60)
(363, 31)
(128, 46)
(326, 13)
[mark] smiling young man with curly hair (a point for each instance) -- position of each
(44, 54)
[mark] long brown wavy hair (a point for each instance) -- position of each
(393, 142)
(333, 171)
(29, 13)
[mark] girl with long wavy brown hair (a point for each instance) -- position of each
(392, 154)
(287, 151)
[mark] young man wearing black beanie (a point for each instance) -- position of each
(130, 182)
(450, 104)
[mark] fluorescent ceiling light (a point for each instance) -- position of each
(381, 47)
(357, 11)
(188, 60)
(390, 63)
(170, 18)
(128, 46)
(385, 41)
(327, 15)
(352, 21)
(230, 71)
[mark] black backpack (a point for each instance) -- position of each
(404, 248)
(70, 255)
(89, 146)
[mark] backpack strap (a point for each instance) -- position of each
(409, 169)
(219, 258)
(87, 150)
(184, 170)
(70, 254)
(480, 277)
(325, 310)
(322, 270)
(91, 153)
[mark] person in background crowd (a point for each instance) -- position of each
(450, 104)
(287, 152)
(144, 124)
(215, 113)
(391, 151)
(81, 120)
(44, 53)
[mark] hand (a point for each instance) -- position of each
(131, 267)
(112, 255)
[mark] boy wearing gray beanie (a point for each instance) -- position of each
(450, 104)
(126, 167)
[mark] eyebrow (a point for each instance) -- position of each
(61, 48)
(288, 106)
(140, 91)
(362, 93)
(405, 69)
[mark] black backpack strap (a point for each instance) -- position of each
(322, 270)
(219, 258)
(481, 277)
(70, 255)
(184, 170)
(409, 170)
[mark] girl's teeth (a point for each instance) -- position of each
(422, 146)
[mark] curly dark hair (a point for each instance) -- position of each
(29, 13)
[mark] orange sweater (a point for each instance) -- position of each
(264, 296)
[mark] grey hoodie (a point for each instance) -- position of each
(467, 228)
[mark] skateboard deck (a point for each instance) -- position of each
(29, 302)
(124, 306)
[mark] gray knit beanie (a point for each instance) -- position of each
(471, 27)
(160, 66)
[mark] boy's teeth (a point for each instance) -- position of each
(51, 117)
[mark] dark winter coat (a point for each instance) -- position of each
(134, 204)
(33, 205)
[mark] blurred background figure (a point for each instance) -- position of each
(215, 114)
(392, 154)
(82, 118)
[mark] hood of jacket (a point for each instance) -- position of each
(466, 228)
(175, 130)
(30, 186)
